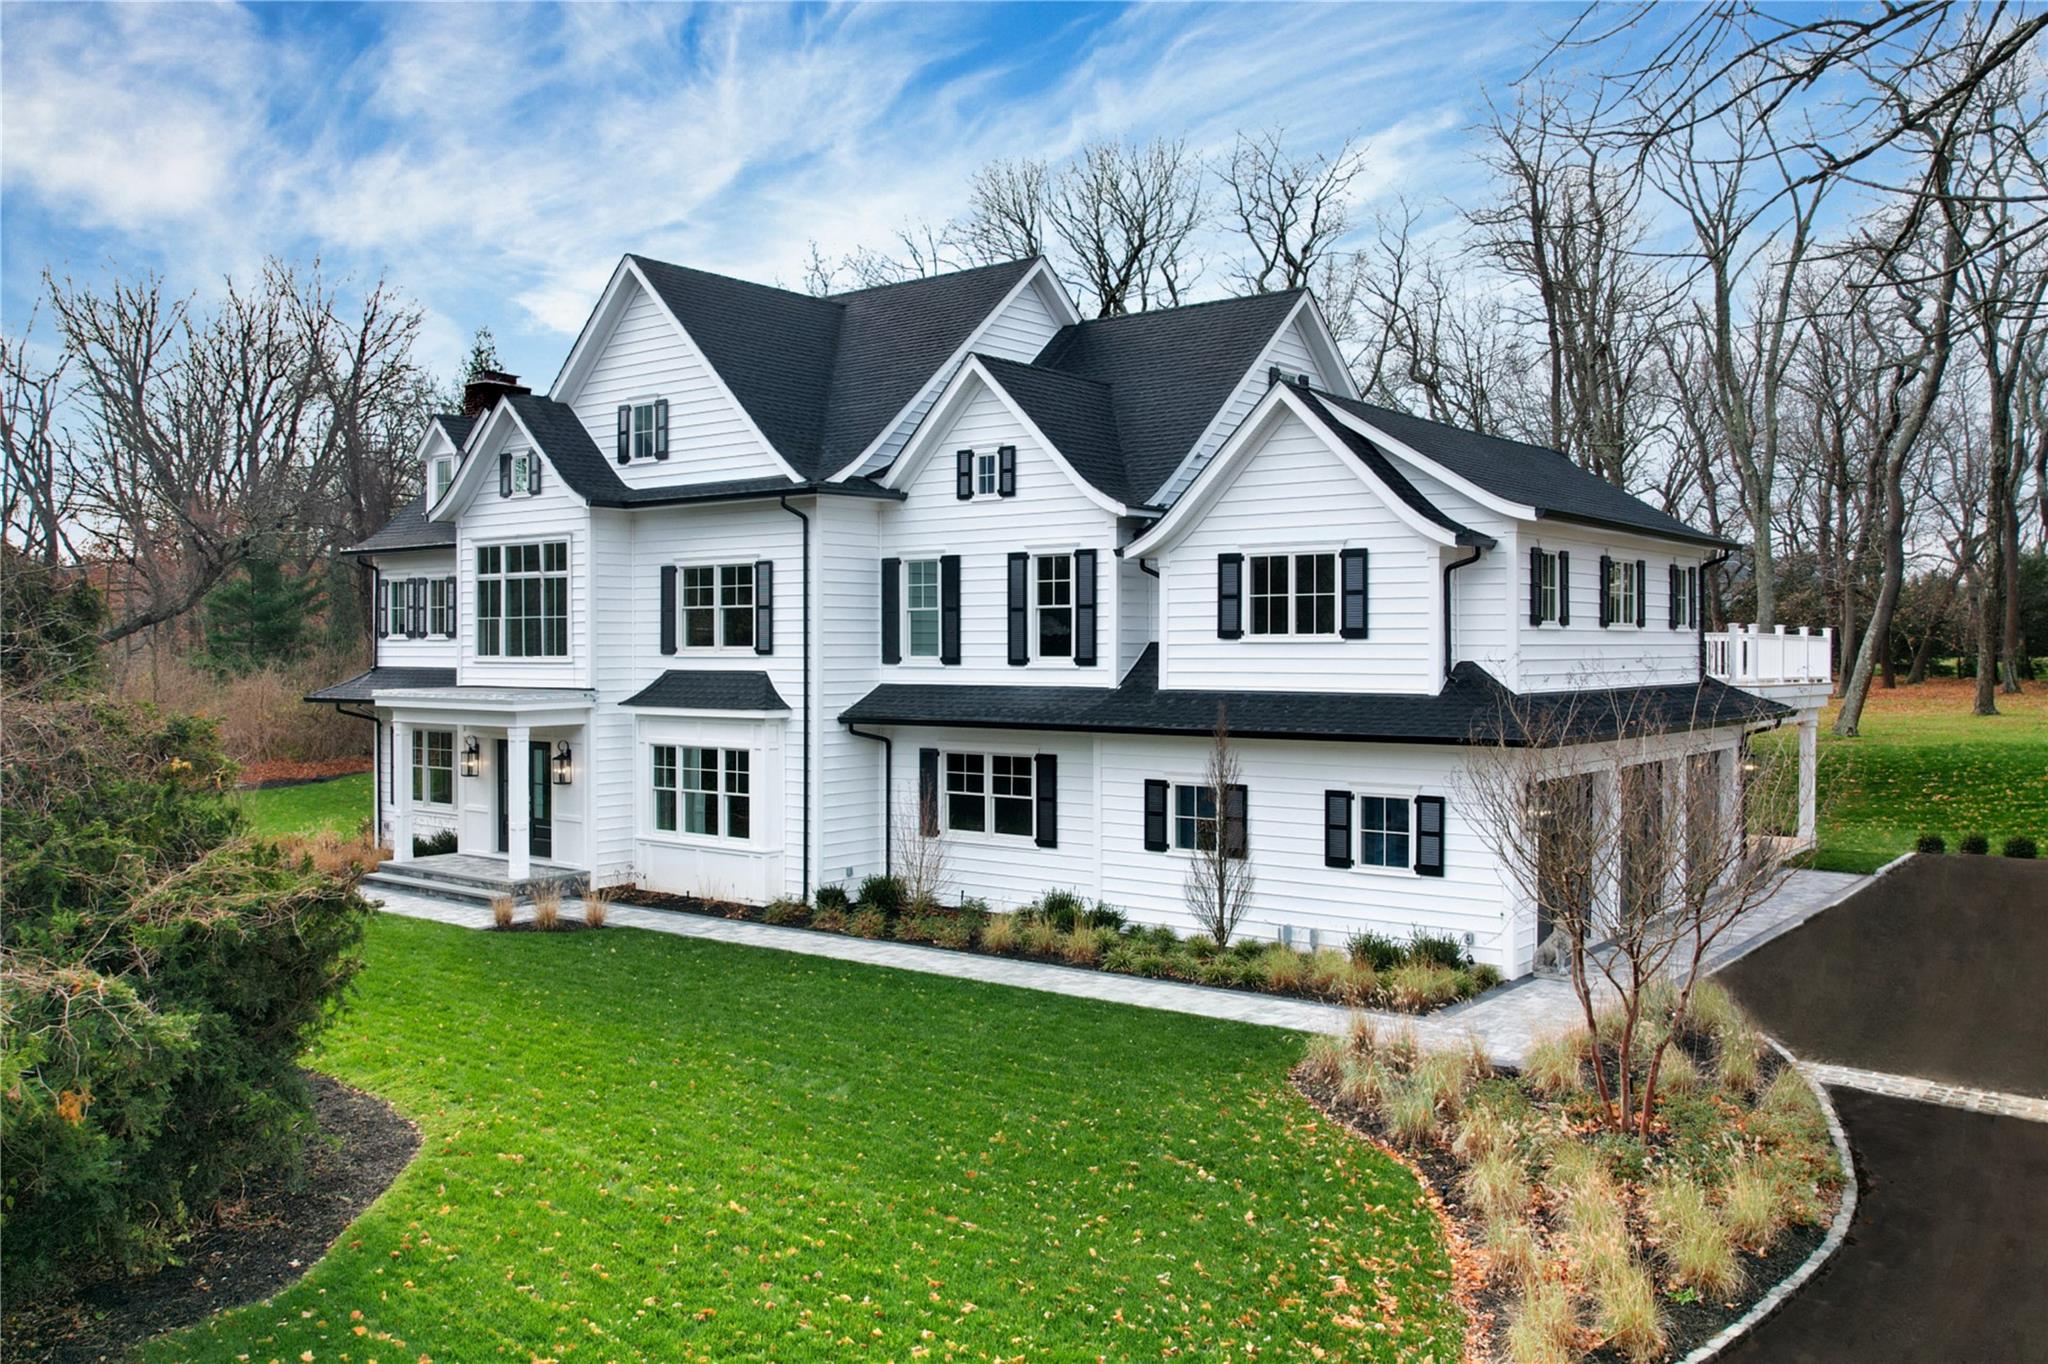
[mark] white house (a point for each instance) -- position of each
(765, 577)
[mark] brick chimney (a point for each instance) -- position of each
(482, 392)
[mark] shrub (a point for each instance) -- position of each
(434, 845)
(1060, 908)
(975, 907)
(1376, 950)
(597, 906)
(954, 930)
(869, 922)
(2019, 845)
(1494, 1184)
(1625, 1312)
(547, 908)
(1106, 917)
(999, 933)
(163, 975)
(832, 897)
(832, 920)
(787, 910)
(1974, 845)
(1543, 1327)
(501, 910)
(883, 893)
(1485, 976)
(1439, 949)
(1931, 844)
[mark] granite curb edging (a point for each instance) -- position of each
(1838, 1230)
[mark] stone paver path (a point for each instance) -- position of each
(1929, 1091)
(1506, 1022)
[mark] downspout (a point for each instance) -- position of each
(784, 500)
(1701, 629)
(376, 767)
(1449, 569)
(888, 794)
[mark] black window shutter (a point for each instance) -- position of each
(1675, 590)
(451, 606)
(668, 608)
(1020, 614)
(963, 474)
(949, 610)
(505, 474)
(1429, 835)
(1084, 608)
(1006, 471)
(1336, 828)
(1155, 816)
(383, 608)
(1606, 588)
(661, 428)
(892, 607)
(1354, 621)
(928, 792)
(533, 467)
(1564, 587)
(1236, 833)
(1642, 592)
(764, 606)
(1046, 792)
(416, 608)
(1229, 596)
(1535, 586)
(625, 432)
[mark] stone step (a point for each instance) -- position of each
(569, 879)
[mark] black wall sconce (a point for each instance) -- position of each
(562, 763)
(472, 758)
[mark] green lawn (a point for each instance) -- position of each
(1924, 764)
(640, 1147)
(341, 804)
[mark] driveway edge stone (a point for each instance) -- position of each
(1838, 1230)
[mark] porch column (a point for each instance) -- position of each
(401, 790)
(1809, 763)
(518, 801)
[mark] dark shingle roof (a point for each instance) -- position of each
(741, 489)
(1078, 415)
(570, 451)
(1469, 709)
(1169, 373)
(821, 377)
(709, 689)
(457, 425)
(1390, 474)
(1541, 478)
(408, 529)
(360, 687)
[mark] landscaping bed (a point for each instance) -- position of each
(1427, 972)
(254, 1246)
(1578, 1241)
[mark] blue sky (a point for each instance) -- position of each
(495, 161)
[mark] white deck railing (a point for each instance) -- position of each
(1743, 655)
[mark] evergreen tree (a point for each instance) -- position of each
(259, 617)
(483, 355)
(50, 625)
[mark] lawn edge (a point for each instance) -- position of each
(1838, 1230)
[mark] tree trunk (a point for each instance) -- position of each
(1985, 701)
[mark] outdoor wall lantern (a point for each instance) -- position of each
(472, 758)
(562, 763)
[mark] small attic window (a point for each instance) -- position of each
(439, 473)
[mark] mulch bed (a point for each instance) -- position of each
(1486, 1300)
(250, 1252)
(258, 776)
(563, 925)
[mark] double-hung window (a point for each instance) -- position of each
(433, 766)
(1383, 831)
(718, 606)
(441, 606)
(987, 473)
(921, 606)
(1293, 594)
(1546, 586)
(1688, 613)
(397, 592)
(1054, 595)
(990, 793)
(522, 608)
(1194, 817)
(707, 792)
(644, 426)
(1621, 593)
(439, 474)
(522, 472)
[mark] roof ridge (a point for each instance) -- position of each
(1179, 308)
(926, 279)
(831, 299)
(1037, 368)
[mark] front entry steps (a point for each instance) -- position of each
(469, 879)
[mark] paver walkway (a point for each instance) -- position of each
(1507, 1021)
(1930, 1091)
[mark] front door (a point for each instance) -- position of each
(540, 801)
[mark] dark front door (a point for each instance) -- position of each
(540, 801)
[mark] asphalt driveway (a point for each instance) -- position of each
(1938, 970)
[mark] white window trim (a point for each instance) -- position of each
(907, 658)
(1689, 601)
(1623, 570)
(683, 645)
(989, 835)
(1173, 789)
(994, 456)
(441, 472)
(1068, 552)
(1551, 612)
(414, 767)
(466, 621)
(1358, 862)
(678, 837)
(636, 405)
(1293, 636)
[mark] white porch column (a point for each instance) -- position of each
(401, 790)
(1809, 763)
(518, 801)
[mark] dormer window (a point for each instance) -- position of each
(440, 473)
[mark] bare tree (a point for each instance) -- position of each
(920, 862)
(1218, 886)
(1632, 839)
(1005, 217)
(37, 493)
(1125, 217)
(1292, 211)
